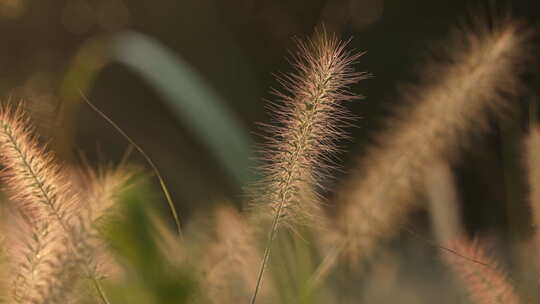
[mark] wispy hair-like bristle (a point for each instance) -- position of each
(34, 179)
(46, 203)
(309, 119)
(35, 250)
(41, 190)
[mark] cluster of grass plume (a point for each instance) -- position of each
(56, 247)
(67, 239)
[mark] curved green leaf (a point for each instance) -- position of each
(191, 99)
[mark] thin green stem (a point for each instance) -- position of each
(100, 291)
(267, 252)
(147, 158)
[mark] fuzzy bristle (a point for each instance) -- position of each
(34, 179)
(36, 251)
(40, 189)
(309, 120)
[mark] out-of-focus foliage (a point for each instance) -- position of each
(190, 99)
(150, 276)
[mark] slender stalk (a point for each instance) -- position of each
(147, 158)
(266, 255)
(101, 292)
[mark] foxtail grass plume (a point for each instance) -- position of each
(476, 73)
(309, 120)
(32, 177)
(42, 192)
(480, 274)
(36, 185)
(35, 251)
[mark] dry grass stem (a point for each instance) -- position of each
(533, 168)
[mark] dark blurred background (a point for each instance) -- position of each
(54, 50)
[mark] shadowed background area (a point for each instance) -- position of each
(168, 71)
